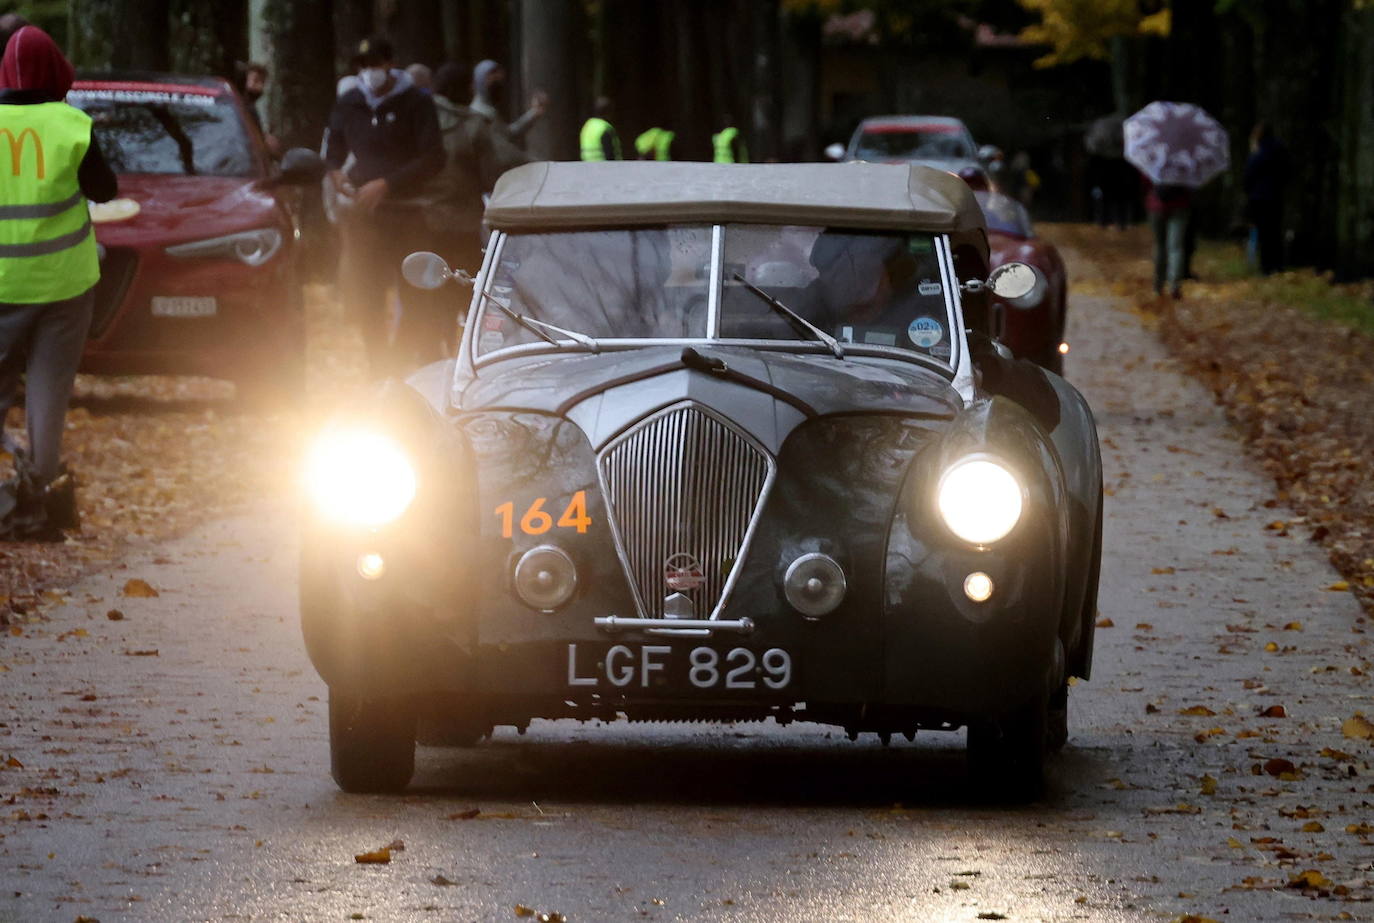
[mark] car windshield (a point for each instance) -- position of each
(167, 132)
(623, 284)
(1003, 213)
(862, 288)
(872, 288)
(915, 143)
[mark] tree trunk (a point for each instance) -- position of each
(548, 61)
(1355, 195)
(122, 34)
(302, 88)
(352, 23)
(416, 30)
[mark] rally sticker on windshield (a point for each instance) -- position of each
(929, 288)
(140, 96)
(925, 332)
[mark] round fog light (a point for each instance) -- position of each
(545, 578)
(371, 566)
(814, 584)
(978, 587)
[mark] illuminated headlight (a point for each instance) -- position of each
(359, 478)
(980, 500)
(545, 578)
(814, 584)
(251, 247)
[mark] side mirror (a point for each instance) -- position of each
(1014, 281)
(429, 271)
(835, 151)
(300, 166)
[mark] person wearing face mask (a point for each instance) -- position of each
(489, 99)
(391, 129)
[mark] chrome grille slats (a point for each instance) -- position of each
(684, 481)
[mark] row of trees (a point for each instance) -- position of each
(1306, 66)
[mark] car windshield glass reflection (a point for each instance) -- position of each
(621, 284)
(1003, 213)
(167, 133)
(913, 145)
(876, 289)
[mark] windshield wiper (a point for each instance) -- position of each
(537, 327)
(800, 323)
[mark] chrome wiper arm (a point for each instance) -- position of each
(580, 338)
(794, 318)
(526, 322)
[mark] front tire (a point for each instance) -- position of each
(1007, 758)
(371, 743)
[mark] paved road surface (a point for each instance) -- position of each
(175, 767)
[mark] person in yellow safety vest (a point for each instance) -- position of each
(655, 144)
(598, 138)
(728, 143)
(49, 266)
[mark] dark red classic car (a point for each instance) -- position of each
(1031, 326)
(198, 253)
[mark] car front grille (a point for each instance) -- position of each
(684, 488)
(117, 269)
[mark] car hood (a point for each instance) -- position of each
(172, 209)
(770, 392)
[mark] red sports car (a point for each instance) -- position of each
(199, 252)
(1032, 326)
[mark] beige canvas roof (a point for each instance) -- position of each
(860, 195)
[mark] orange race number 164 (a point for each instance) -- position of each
(537, 520)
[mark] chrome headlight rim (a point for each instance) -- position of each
(527, 559)
(360, 477)
(794, 591)
(990, 537)
(252, 248)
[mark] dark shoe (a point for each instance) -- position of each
(33, 513)
(1176, 292)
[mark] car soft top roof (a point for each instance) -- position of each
(549, 195)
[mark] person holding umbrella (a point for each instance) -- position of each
(1179, 148)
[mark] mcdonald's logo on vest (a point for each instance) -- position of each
(17, 150)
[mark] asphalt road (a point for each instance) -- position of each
(173, 764)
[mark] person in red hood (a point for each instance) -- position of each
(49, 266)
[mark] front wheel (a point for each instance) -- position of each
(371, 743)
(1007, 758)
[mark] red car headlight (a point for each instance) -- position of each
(252, 248)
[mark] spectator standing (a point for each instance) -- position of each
(1266, 173)
(727, 145)
(48, 271)
(655, 144)
(489, 99)
(598, 139)
(422, 76)
(392, 131)
(1169, 208)
(252, 83)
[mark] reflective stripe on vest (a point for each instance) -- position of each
(591, 136)
(47, 247)
(723, 143)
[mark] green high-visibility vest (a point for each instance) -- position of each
(592, 132)
(47, 246)
(656, 141)
(724, 144)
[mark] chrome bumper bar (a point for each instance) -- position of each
(692, 628)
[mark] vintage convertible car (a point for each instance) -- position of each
(717, 445)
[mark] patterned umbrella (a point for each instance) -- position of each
(1176, 144)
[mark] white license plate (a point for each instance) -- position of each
(183, 306)
(664, 667)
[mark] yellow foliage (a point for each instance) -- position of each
(1076, 29)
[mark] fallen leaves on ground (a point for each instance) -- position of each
(1297, 384)
(375, 857)
(140, 588)
(1357, 727)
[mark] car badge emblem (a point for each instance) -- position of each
(682, 572)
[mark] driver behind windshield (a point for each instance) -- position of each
(884, 291)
